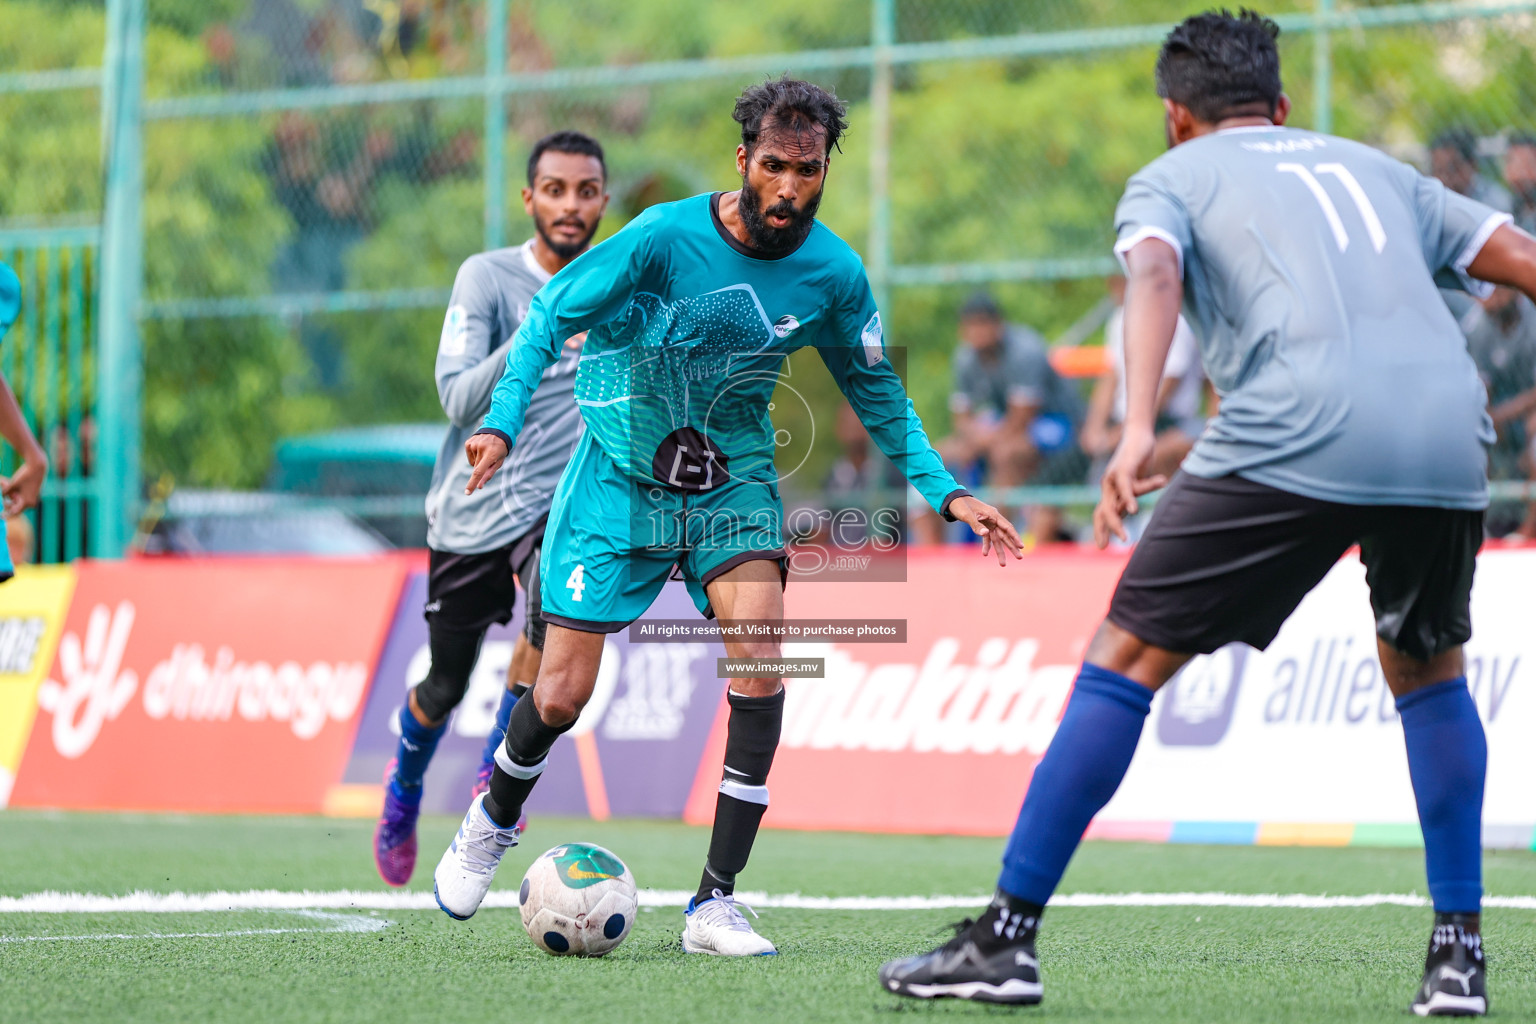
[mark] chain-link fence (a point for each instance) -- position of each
(290, 185)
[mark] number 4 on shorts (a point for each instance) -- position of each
(577, 582)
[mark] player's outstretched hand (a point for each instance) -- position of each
(996, 532)
(1123, 483)
(486, 453)
(23, 489)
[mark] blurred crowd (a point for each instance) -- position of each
(1021, 418)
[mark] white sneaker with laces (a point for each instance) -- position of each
(463, 876)
(718, 927)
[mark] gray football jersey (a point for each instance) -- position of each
(490, 298)
(1310, 268)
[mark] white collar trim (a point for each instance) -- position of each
(532, 262)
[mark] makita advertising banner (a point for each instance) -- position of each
(633, 752)
(940, 733)
(209, 685)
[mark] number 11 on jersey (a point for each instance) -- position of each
(1362, 202)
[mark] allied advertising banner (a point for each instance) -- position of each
(210, 685)
(633, 752)
(32, 607)
(1302, 742)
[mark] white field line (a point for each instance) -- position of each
(337, 923)
(356, 899)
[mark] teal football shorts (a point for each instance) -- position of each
(613, 541)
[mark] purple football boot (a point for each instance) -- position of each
(483, 785)
(482, 779)
(394, 841)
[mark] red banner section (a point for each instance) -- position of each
(938, 734)
(220, 685)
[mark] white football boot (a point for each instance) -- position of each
(718, 927)
(463, 876)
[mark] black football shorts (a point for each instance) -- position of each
(1229, 559)
(466, 593)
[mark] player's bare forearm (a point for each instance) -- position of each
(1154, 294)
(14, 427)
(1153, 297)
(1507, 258)
(23, 489)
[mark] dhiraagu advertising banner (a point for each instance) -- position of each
(32, 609)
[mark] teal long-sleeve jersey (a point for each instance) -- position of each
(687, 331)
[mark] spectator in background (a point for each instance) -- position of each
(1453, 159)
(1015, 419)
(1520, 175)
(1501, 335)
(1179, 421)
(72, 532)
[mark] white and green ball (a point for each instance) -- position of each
(578, 900)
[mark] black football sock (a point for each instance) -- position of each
(1007, 921)
(750, 742)
(519, 763)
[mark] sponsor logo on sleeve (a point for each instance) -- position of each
(873, 341)
(455, 338)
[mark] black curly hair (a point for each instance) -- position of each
(565, 142)
(790, 103)
(1220, 65)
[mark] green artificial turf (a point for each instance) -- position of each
(1167, 964)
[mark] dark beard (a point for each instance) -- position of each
(563, 251)
(770, 240)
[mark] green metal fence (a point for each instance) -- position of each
(286, 187)
(49, 359)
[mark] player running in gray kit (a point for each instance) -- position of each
(1351, 413)
(482, 544)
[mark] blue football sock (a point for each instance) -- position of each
(499, 731)
(1448, 761)
(413, 753)
(1079, 773)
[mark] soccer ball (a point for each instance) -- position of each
(578, 900)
